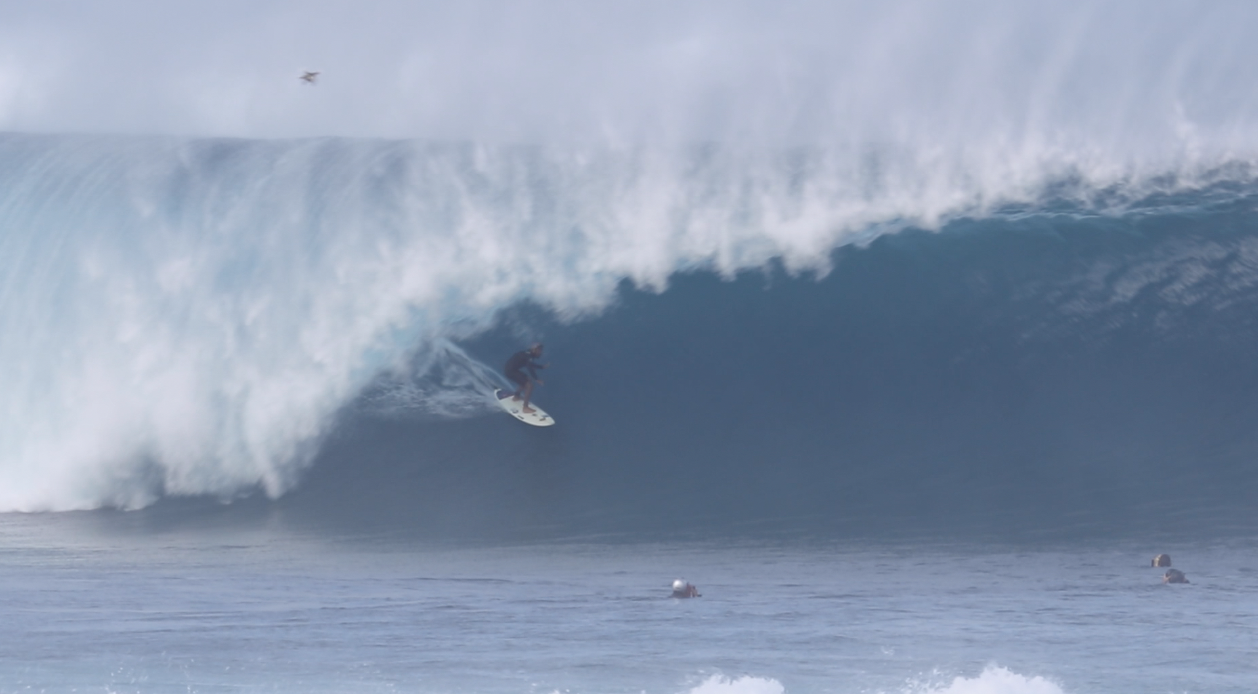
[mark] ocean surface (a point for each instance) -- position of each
(105, 602)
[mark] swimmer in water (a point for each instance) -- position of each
(682, 589)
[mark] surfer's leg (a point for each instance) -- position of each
(521, 382)
(528, 392)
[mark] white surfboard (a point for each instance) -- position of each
(515, 408)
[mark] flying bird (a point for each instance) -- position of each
(309, 77)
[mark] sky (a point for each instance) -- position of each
(1119, 75)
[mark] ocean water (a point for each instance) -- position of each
(908, 332)
(96, 602)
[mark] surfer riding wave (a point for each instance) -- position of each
(525, 360)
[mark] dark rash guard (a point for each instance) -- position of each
(518, 363)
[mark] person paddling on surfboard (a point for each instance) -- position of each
(516, 365)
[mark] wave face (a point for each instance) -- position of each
(736, 337)
(1046, 373)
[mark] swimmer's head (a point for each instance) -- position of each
(679, 586)
(536, 348)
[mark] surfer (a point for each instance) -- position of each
(684, 589)
(515, 368)
(1174, 576)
